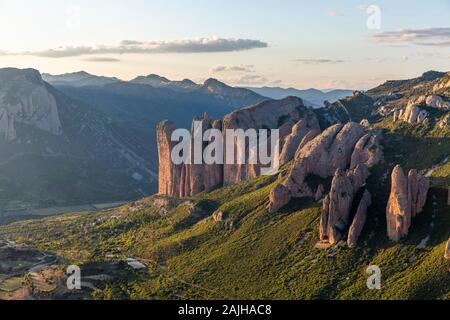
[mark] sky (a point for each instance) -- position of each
(287, 43)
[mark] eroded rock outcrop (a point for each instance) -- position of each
(218, 216)
(447, 251)
(319, 192)
(336, 209)
(270, 115)
(25, 99)
(359, 220)
(368, 150)
(184, 180)
(278, 198)
(302, 132)
(338, 147)
(321, 156)
(407, 199)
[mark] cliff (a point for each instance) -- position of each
(289, 115)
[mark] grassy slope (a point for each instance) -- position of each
(262, 255)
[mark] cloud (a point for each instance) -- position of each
(439, 37)
(363, 7)
(238, 68)
(319, 61)
(101, 59)
(251, 80)
(198, 45)
(336, 14)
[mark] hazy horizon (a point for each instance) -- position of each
(247, 45)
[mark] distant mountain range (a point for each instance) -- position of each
(312, 97)
(57, 132)
(77, 79)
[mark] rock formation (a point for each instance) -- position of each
(218, 216)
(24, 98)
(324, 154)
(447, 251)
(411, 113)
(338, 147)
(166, 167)
(184, 180)
(319, 193)
(190, 179)
(337, 205)
(437, 102)
(278, 198)
(368, 151)
(359, 220)
(407, 199)
(415, 114)
(302, 132)
(269, 114)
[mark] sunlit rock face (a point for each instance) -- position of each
(25, 99)
(190, 179)
(407, 199)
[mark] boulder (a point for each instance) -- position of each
(359, 220)
(218, 216)
(279, 197)
(365, 123)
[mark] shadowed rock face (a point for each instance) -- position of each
(407, 199)
(166, 180)
(188, 180)
(185, 180)
(447, 250)
(360, 219)
(337, 205)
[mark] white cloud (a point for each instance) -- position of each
(319, 61)
(363, 7)
(101, 59)
(423, 37)
(198, 45)
(235, 68)
(336, 14)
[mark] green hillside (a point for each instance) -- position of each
(255, 255)
(252, 254)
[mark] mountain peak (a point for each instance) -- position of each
(213, 82)
(32, 75)
(157, 77)
(432, 75)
